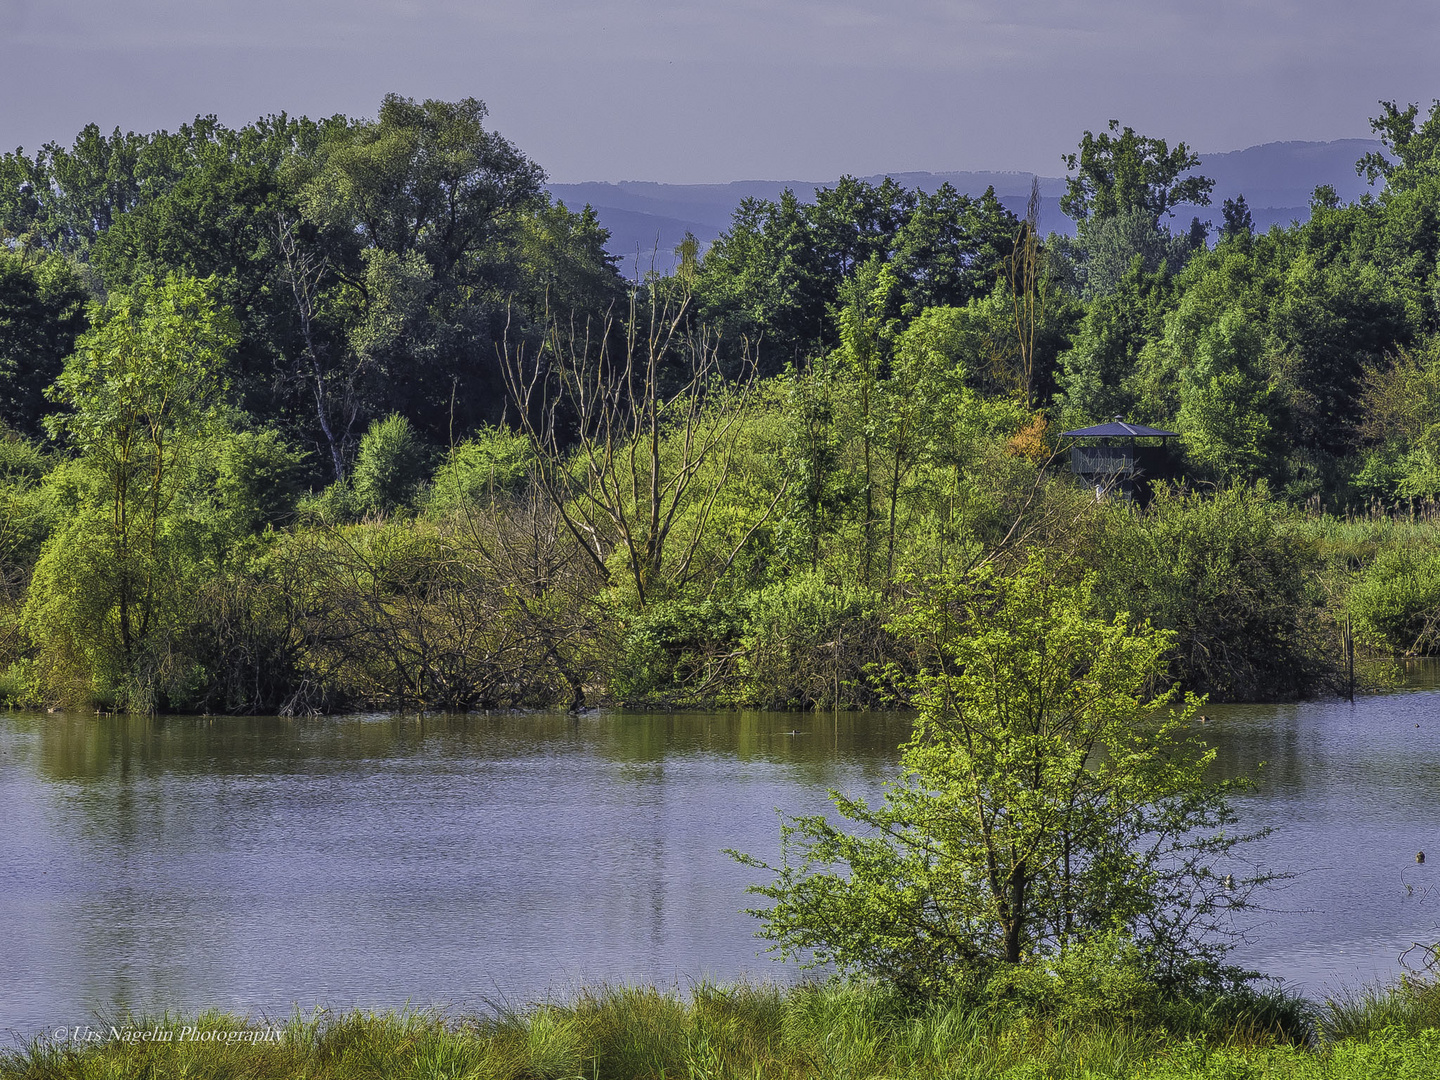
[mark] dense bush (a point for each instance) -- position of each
(390, 467)
(1233, 578)
(676, 652)
(1395, 601)
(490, 463)
(808, 642)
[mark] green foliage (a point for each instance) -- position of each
(390, 467)
(773, 277)
(796, 1033)
(1399, 407)
(1224, 402)
(807, 642)
(1412, 150)
(110, 589)
(332, 505)
(761, 281)
(1238, 225)
(675, 651)
(42, 311)
(28, 510)
(372, 265)
(22, 462)
(374, 276)
(1119, 171)
(494, 461)
(1100, 363)
(1336, 321)
(1232, 578)
(1046, 800)
(1107, 248)
(1395, 601)
(258, 479)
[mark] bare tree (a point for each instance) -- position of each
(630, 464)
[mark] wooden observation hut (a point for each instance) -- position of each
(1121, 458)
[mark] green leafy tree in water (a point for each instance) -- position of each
(1047, 800)
(139, 391)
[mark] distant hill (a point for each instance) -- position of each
(647, 220)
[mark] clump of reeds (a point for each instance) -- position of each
(750, 1032)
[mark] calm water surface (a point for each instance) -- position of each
(260, 864)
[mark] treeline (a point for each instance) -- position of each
(316, 415)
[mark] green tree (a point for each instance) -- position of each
(257, 479)
(42, 311)
(139, 391)
(1048, 797)
(761, 282)
(1125, 186)
(1118, 171)
(390, 467)
(1108, 247)
(1238, 222)
(420, 238)
(1414, 149)
(1400, 422)
(1224, 401)
(951, 248)
(1099, 367)
(776, 274)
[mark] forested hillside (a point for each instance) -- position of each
(312, 415)
(646, 218)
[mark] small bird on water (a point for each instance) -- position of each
(1420, 856)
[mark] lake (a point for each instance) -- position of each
(259, 864)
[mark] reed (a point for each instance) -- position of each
(750, 1032)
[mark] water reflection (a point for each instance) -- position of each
(1352, 792)
(258, 863)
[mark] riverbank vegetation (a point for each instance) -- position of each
(318, 415)
(1044, 1031)
(1052, 811)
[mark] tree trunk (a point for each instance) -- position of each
(1015, 925)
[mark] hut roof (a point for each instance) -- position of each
(1118, 428)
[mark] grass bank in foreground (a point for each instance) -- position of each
(755, 1032)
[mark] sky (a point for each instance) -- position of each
(708, 91)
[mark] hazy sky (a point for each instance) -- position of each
(716, 90)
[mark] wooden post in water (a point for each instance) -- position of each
(1348, 638)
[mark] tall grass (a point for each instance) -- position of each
(1412, 1005)
(751, 1032)
(1356, 539)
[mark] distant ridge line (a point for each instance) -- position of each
(1276, 178)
